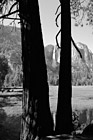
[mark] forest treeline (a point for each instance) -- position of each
(11, 74)
(82, 75)
(79, 78)
(11, 62)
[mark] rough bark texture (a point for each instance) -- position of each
(64, 111)
(36, 117)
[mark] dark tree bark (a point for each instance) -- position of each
(36, 117)
(64, 109)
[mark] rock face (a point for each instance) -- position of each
(82, 69)
(52, 57)
(87, 55)
(52, 54)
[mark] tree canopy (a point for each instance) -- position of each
(82, 10)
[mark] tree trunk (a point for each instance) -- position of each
(36, 117)
(64, 109)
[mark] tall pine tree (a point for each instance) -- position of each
(36, 117)
(64, 109)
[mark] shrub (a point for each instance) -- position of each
(4, 68)
(14, 79)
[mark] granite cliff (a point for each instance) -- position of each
(82, 69)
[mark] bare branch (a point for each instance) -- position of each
(2, 2)
(6, 15)
(11, 18)
(57, 39)
(58, 9)
(60, 1)
(76, 47)
(57, 19)
(13, 6)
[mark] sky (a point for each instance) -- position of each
(83, 34)
(49, 29)
(47, 12)
(47, 15)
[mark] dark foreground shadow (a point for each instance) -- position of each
(10, 126)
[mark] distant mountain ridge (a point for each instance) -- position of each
(10, 47)
(87, 55)
(82, 69)
(10, 42)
